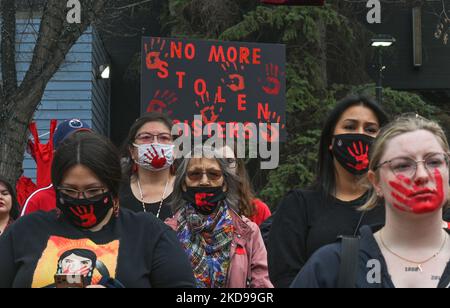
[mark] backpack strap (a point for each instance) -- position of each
(349, 262)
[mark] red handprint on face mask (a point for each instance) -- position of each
(361, 156)
(153, 51)
(272, 84)
(162, 101)
(200, 199)
(155, 160)
(415, 198)
(86, 215)
(208, 112)
(234, 80)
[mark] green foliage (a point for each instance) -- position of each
(327, 56)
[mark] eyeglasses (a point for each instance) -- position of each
(147, 138)
(91, 194)
(196, 176)
(408, 167)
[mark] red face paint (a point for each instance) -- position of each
(410, 197)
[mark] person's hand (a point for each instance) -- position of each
(95, 286)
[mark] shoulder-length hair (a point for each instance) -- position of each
(230, 179)
(325, 170)
(127, 160)
(404, 124)
(92, 151)
(14, 212)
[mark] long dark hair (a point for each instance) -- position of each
(14, 213)
(92, 151)
(326, 178)
(127, 160)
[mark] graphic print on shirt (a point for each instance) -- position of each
(76, 257)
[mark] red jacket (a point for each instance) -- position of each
(262, 212)
(43, 199)
(248, 254)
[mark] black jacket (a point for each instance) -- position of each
(322, 269)
(305, 222)
(137, 250)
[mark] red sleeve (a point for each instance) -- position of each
(44, 200)
(262, 212)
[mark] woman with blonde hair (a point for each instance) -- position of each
(409, 172)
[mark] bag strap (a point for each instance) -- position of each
(349, 262)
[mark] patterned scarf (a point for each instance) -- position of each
(207, 242)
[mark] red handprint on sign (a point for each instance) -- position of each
(162, 101)
(272, 83)
(234, 80)
(154, 159)
(153, 60)
(417, 199)
(361, 155)
(208, 112)
(271, 134)
(86, 215)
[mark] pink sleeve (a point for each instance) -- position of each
(259, 268)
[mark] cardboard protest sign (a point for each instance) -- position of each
(224, 82)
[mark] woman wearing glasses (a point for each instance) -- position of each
(225, 250)
(103, 244)
(409, 171)
(149, 156)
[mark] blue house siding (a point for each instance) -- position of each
(73, 91)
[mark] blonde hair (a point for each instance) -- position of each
(403, 124)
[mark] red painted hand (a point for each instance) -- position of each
(361, 155)
(208, 110)
(417, 199)
(272, 82)
(154, 50)
(155, 160)
(234, 80)
(86, 215)
(162, 101)
(200, 199)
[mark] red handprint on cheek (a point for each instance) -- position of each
(417, 199)
(208, 112)
(272, 84)
(155, 160)
(361, 156)
(234, 80)
(161, 102)
(86, 215)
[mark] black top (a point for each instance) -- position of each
(322, 269)
(138, 250)
(303, 223)
(129, 201)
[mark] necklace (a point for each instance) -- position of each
(418, 263)
(162, 199)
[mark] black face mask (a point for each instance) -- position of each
(85, 213)
(352, 152)
(204, 199)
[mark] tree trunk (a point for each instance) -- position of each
(12, 146)
(17, 105)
